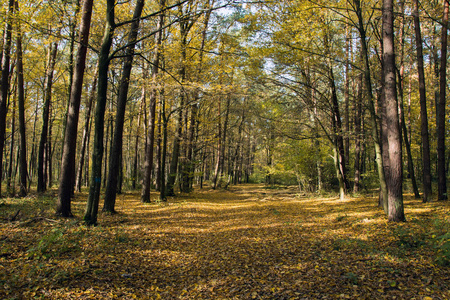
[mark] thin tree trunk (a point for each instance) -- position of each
(43, 143)
(11, 149)
(219, 146)
(138, 131)
(358, 135)
(426, 170)
(70, 137)
(440, 119)
(21, 105)
(400, 84)
(173, 168)
(116, 149)
(346, 124)
(90, 216)
(371, 105)
(395, 177)
(86, 133)
(162, 194)
(4, 85)
(148, 164)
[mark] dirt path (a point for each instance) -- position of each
(245, 243)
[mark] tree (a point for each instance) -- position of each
(21, 106)
(90, 216)
(426, 170)
(440, 119)
(371, 106)
(394, 176)
(43, 145)
(4, 84)
(70, 137)
(148, 162)
(116, 149)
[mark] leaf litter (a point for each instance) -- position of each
(226, 245)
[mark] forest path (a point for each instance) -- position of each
(248, 242)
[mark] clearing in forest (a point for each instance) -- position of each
(248, 242)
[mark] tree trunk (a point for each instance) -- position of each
(394, 177)
(90, 216)
(426, 170)
(371, 105)
(43, 143)
(346, 132)
(440, 119)
(4, 85)
(116, 149)
(21, 105)
(358, 135)
(11, 149)
(136, 143)
(173, 168)
(148, 164)
(67, 179)
(219, 146)
(86, 133)
(162, 186)
(339, 140)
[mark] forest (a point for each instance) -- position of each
(119, 96)
(296, 116)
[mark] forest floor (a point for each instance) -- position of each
(248, 242)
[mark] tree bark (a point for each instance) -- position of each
(116, 149)
(426, 170)
(4, 85)
(371, 105)
(21, 106)
(67, 173)
(43, 143)
(440, 119)
(338, 139)
(86, 133)
(146, 182)
(358, 134)
(90, 216)
(395, 176)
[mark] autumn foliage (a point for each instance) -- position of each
(249, 242)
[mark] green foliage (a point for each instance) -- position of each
(442, 243)
(54, 244)
(48, 245)
(406, 238)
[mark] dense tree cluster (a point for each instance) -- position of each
(171, 94)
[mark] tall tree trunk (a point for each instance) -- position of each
(394, 176)
(148, 164)
(338, 140)
(116, 149)
(358, 135)
(346, 124)
(11, 149)
(90, 216)
(66, 179)
(440, 119)
(371, 104)
(43, 143)
(86, 133)
(426, 170)
(185, 26)
(162, 186)
(134, 176)
(4, 85)
(21, 105)
(219, 146)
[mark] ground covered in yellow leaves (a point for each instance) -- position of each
(248, 242)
